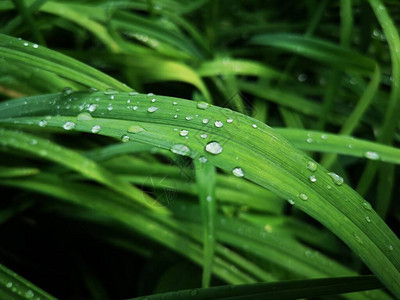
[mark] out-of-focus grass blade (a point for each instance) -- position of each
(9, 172)
(340, 144)
(30, 54)
(13, 286)
(277, 290)
(205, 179)
(264, 156)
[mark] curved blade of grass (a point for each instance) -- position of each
(14, 50)
(265, 157)
(205, 180)
(294, 289)
(340, 144)
(13, 286)
(9, 172)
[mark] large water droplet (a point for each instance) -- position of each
(371, 155)
(312, 166)
(152, 109)
(202, 105)
(238, 172)
(180, 149)
(69, 125)
(84, 117)
(338, 180)
(135, 129)
(218, 124)
(303, 196)
(125, 138)
(96, 129)
(214, 148)
(184, 132)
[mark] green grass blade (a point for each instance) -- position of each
(280, 290)
(265, 157)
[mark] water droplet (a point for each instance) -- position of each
(176, 116)
(238, 172)
(324, 136)
(96, 129)
(205, 121)
(152, 109)
(29, 294)
(390, 247)
(125, 138)
(214, 148)
(183, 132)
(303, 196)
(371, 155)
(42, 123)
(302, 77)
(328, 187)
(26, 44)
(110, 108)
(84, 117)
(93, 90)
(202, 105)
(9, 284)
(309, 140)
(312, 166)
(312, 178)
(135, 129)
(204, 135)
(358, 239)
(203, 159)
(367, 206)
(135, 107)
(209, 198)
(291, 201)
(150, 94)
(92, 107)
(175, 103)
(69, 125)
(180, 149)
(338, 180)
(133, 93)
(189, 118)
(218, 124)
(153, 100)
(67, 91)
(35, 46)
(229, 120)
(368, 219)
(110, 91)
(254, 126)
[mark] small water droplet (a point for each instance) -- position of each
(204, 135)
(150, 94)
(153, 100)
(368, 219)
(238, 172)
(324, 136)
(205, 121)
(180, 149)
(183, 132)
(175, 103)
(338, 180)
(84, 117)
(328, 187)
(291, 201)
(390, 247)
(312, 166)
(202, 105)
(176, 116)
(93, 90)
(371, 155)
(35, 46)
(358, 239)
(135, 107)
(189, 118)
(209, 198)
(203, 159)
(43, 123)
(135, 129)
(152, 109)
(309, 140)
(133, 93)
(96, 129)
(9, 284)
(125, 138)
(312, 178)
(26, 44)
(110, 91)
(303, 196)
(254, 125)
(67, 91)
(218, 124)
(29, 294)
(367, 206)
(110, 108)
(69, 125)
(302, 77)
(229, 120)
(92, 107)
(214, 148)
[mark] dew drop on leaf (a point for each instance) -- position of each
(183, 132)
(203, 135)
(152, 109)
(368, 219)
(69, 125)
(291, 201)
(371, 155)
(338, 180)
(367, 206)
(312, 166)
(202, 105)
(135, 129)
(214, 148)
(303, 196)
(43, 123)
(254, 125)
(133, 93)
(312, 178)
(189, 118)
(205, 121)
(9, 284)
(238, 172)
(180, 149)
(229, 120)
(218, 124)
(203, 159)
(84, 117)
(96, 129)
(110, 91)
(67, 91)
(125, 138)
